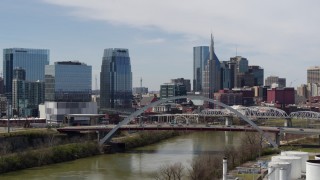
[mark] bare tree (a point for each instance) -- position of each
(206, 167)
(170, 172)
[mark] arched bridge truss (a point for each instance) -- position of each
(230, 109)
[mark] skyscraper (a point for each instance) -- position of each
(33, 61)
(258, 74)
(211, 74)
(240, 66)
(200, 59)
(26, 96)
(115, 79)
(68, 90)
(68, 81)
(313, 74)
(281, 82)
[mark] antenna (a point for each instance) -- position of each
(236, 50)
(141, 82)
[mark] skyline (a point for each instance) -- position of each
(160, 36)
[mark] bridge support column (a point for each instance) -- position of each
(228, 121)
(288, 122)
(319, 138)
(278, 135)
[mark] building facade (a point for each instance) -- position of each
(68, 90)
(26, 95)
(281, 97)
(185, 82)
(211, 75)
(275, 80)
(313, 74)
(258, 75)
(168, 90)
(228, 97)
(200, 59)
(68, 81)
(33, 61)
(116, 79)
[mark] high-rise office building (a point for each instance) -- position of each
(26, 95)
(258, 75)
(226, 75)
(116, 79)
(313, 74)
(168, 90)
(185, 82)
(211, 74)
(33, 61)
(200, 59)
(68, 90)
(275, 80)
(68, 81)
(240, 67)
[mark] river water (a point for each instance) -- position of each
(140, 163)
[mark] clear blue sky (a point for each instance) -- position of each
(280, 36)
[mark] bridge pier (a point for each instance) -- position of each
(288, 122)
(277, 137)
(228, 121)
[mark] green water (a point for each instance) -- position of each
(140, 163)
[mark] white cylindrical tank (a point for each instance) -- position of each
(224, 168)
(295, 164)
(274, 168)
(271, 173)
(282, 174)
(304, 157)
(313, 170)
(317, 157)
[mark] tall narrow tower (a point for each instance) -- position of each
(211, 75)
(115, 79)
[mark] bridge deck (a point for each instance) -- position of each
(187, 128)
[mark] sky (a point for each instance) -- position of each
(280, 36)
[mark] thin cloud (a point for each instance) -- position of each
(273, 28)
(151, 41)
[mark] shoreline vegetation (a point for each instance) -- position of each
(34, 148)
(208, 166)
(27, 149)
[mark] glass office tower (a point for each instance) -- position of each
(68, 81)
(200, 59)
(115, 79)
(33, 61)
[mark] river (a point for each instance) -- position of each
(139, 163)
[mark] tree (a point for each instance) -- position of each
(170, 172)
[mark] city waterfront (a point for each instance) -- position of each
(140, 163)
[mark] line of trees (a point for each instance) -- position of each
(208, 166)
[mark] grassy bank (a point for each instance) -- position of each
(146, 138)
(21, 150)
(40, 157)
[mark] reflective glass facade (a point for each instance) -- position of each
(200, 59)
(33, 61)
(115, 79)
(68, 82)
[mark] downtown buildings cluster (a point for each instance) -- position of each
(235, 82)
(32, 87)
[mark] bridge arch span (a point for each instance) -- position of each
(140, 111)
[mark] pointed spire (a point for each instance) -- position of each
(211, 48)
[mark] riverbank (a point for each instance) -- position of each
(37, 148)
